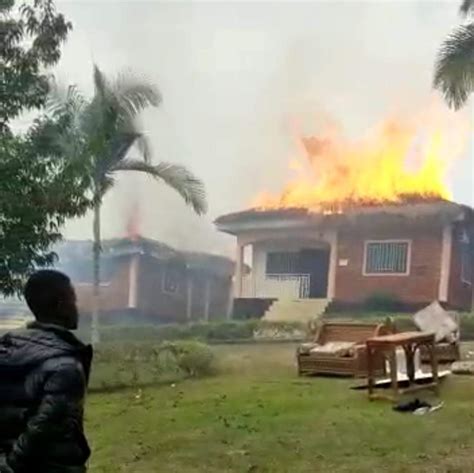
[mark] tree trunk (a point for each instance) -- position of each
(95, 333)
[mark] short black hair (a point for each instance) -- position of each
(44, 290)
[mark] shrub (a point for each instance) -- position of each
(280, 330)
(210, 332)
(382, 301)
(194, 358)
(119, 365)
(232, 331)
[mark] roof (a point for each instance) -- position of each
(441, 211)
(215, 264)
(75, 257)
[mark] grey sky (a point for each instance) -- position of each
(235, 75)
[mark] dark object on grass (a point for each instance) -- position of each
(411, 406)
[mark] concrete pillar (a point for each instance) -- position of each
(230, 300)
(332, 266)
(239, 265)
(133, 282)
(207, 298)
(189, 299)
(445, 268)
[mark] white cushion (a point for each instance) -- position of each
(334, 348)
(435, 319)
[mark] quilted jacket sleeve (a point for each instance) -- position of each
(61, 392)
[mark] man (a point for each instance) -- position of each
(44, 371)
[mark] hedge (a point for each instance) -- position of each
(213, 332)
(131, 365)
(237, 331)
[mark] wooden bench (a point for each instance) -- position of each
(353, 363)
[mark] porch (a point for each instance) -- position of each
(287, 268)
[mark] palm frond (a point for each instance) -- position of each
(134, 94)
(182, 180)
(64, 101)
(467, 7)
(144, 148)
(101, 84)
(115, 151)
(113, 111)
(454, 69)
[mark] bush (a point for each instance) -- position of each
(232, 331)
(280, 330)
(207, 332)
(195, 359)
(382, 301)
(120, 365)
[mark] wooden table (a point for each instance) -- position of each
(410, 342)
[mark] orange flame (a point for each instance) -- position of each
(398, 161)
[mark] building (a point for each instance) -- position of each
(415, 253)
(147, 281)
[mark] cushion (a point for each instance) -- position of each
(463, 367)
(305, 348)
(335, 348)
(435, 319)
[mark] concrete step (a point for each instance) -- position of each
(300, 310)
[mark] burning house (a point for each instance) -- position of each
(145, 281)
(361, 220)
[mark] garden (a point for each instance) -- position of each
(195, 405)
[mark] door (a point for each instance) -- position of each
(315, 262)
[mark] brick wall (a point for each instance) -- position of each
(151, 298)
(420, 286)
(114, 296)
(152, 301)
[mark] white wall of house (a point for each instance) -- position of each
(257, 284)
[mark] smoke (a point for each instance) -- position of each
(238, 79)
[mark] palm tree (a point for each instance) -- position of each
(104, 132)
(454, 68)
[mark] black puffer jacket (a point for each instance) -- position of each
(44, 372)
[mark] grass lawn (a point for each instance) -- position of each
(258, 416)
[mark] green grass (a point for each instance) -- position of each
(258, 416)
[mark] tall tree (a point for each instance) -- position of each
(104, 130)
(39, 187)
(454, 68)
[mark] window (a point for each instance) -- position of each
(282, 263)
(387, 257)
(171, 280)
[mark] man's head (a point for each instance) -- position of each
(51, 297)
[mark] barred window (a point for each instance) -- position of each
(386, 257)
(282, 263)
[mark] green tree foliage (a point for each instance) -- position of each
(454, 68)
(40, 187)
(103, 131)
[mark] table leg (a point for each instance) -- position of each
(410, 361)
(370, 370)
(393, 372)
(434, 365)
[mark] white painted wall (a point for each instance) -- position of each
(257, 285)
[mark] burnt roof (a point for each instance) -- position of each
(441, 210)
(75, 257)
